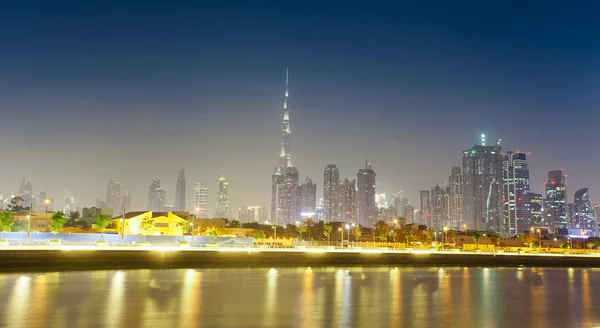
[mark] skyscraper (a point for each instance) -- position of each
(160, 200)
(536, 207)
(156, 200)
(555, 205)
(482, 187)
(284, 181)
(252, 214)
(201, 200)
(425, 209)
(348, 200)
(515, 175)
(438, 207)
(287, 207)
(42, 201)
(367, 209)
(69, 203)
(308, 192)
(222, 208)
(455, 198)
(331, 193)
(582, 215)
(180, 192)
(126, 204)
(113, 196)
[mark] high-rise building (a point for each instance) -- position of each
(43, 201)
(348, 200)
(482, 187)
(284, 181)
(152, 196)
(366, 209)
(287, 207)
(26, 192)
(308, 197)
(455, 199)
(409, 213)
(319, 211)
(252, 214)
(222, 208)
(113, 196)
(160, 200)
(397, 202)
(201, 200)
(331, 193)
(69, 203)
(515, 176)
(536, 207)
(425, 209)
(101, 203)
(180, 192)
(126, 204)
(555, 205)
(438, 207)
(582, 215)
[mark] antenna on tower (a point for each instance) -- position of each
(287, 89)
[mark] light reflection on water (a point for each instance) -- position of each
(304, 297)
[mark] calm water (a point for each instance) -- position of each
(335, 297)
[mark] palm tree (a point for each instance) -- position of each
(327, 229)
(357, 232)
(73, 217)
(476, 237)
(308, 222)
(146, 226)
(301, 228)
(212, 232)
(453, 235)
(494, 238)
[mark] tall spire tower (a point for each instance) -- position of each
(285, 157)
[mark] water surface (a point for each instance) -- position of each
(304, 297)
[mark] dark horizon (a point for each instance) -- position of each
(93, 93)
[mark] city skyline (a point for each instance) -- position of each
(411, 116)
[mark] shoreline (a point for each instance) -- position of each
(106, 259)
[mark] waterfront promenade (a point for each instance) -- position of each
(80, 257)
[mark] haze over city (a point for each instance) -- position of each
(90, 95)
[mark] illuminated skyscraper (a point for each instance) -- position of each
(536, 207)
(222, 208)
(367, 209)
(113, 196)
(126, 204)
(438, 207)
(515, 175)
(201, 200)
(331, 193)
(180, 192)
(69, 203)
(348, 200)
(482, 187)
(425, 209)
(555, 205)
(308, 192)
(582, 215)
(156, 201)
(284, 181)
(455, 198)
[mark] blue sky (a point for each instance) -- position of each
(93, 91)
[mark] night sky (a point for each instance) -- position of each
(91, 92)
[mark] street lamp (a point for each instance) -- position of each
(342, 234)
(465, 229)
(540, 234)
(192, 241)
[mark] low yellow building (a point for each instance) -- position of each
(165, 223)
